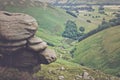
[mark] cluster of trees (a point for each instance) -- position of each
(104, 25)
(72, 8)
(71, 30)
(115, 21)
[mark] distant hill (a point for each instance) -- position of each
(101, 51)
(95, 1)
(88, 1)
(20, 3)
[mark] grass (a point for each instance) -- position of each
(69, 71)
(95, 18)
(51, 19)
(100, 51)
(54, 70)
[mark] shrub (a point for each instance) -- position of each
(88, 21)
(72, 14)
(82, 29)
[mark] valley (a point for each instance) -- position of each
(97, 54)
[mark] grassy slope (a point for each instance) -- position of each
(51, 21)
(70, 71)
(101, 51)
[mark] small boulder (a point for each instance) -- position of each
(85, 75)
(61, 78)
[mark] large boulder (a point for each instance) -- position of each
(16, 26)
(15, 29)
(19, 47)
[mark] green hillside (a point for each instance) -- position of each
(101, 51)
(51, 20)
(70, 71)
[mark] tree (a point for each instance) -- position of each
(70, 30)
(82, 29)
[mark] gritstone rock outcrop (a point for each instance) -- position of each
(19, 47)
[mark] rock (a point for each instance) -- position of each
(16, 26)
(85, 75)
(47, 56)
(61, 77)
(91, 78)
(24, 58)
(10, 50)
(78, 77)
(12, 44)
(37, 47)
(34, 40)
(11, 47)
(19, 47)
(62, 68)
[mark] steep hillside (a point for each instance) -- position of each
(101, 51)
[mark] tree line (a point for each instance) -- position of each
(72, 32)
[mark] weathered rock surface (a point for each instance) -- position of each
(47, 56)
(10, 47)
(36, 44)
(19, 47)
(34, 40)
(16, 26)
